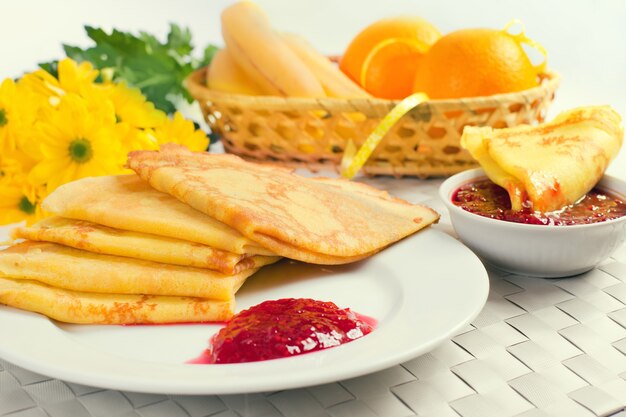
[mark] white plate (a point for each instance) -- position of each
(421, 290)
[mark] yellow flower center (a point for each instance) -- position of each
(3, 118)
(80, 150)
(26, 206)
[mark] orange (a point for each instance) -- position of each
(392, 48)
(477, 62)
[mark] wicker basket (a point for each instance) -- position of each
(312, 133)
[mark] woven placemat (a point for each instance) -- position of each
(540, 347)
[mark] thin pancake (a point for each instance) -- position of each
(106, 240)
(74, 269)
(319, 221)
(90, 308)
(126, 202)
(553, 164)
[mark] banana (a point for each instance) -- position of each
(335, 82)
(263, 55)
(226, 76)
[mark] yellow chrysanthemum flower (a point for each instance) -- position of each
(43, 91)
(132, 107)
(137, 139)
(7, 95)
(14, 163)
(133, 113)
(9, 167)
(21, 201)
(54, 130)
(77, 139)
(181, 131)
(72, 78)
(17, 114)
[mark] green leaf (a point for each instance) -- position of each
(52, 67)
(179, 40)
(157, 68)
(102, 56)
(207, 56)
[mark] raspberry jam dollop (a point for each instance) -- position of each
(286, 327)
(488, 199)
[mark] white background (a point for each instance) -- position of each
(586, 39)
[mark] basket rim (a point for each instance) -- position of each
(198, 89)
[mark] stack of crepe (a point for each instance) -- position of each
(175, 242)
(118, 251)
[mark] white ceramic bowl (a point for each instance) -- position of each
(535, 250)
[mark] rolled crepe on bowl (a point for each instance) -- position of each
(328, 221)
(92, 308)
(126, 202)
(78, 270)
(96, 238)
(552, 164)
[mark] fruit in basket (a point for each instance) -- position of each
(225, 75)
(335, 82)
(384, 56)
(264, 56)
(477, 62)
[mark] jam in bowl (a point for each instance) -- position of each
(562, 243)
(488, 199)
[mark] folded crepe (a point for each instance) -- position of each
(329, 221)
(126, 202)
(552, 164)
(96, 238)
(78, 270)
(83, 307)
